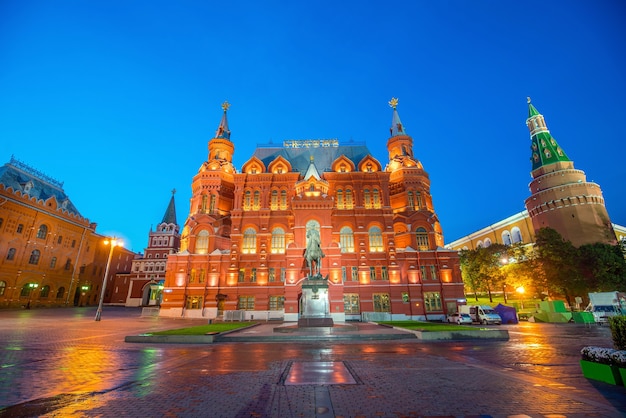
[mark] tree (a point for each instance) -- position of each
(603, 266)
(482, 268)
(556, 261)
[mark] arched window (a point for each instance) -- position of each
(376, 240)
(487, 242)
(340, 201)
(202, 242)
(34, 257)
(349, 199)
(249, 241)
(3, 287)
(257, 200)
(506, 238)
(376, 199)
(247, 200)
(60, 239)
(68, 264)
(212, 203)
(283, 199)
(367, 199)
(60, 292)
(411, 200)
(479, 244)
(346, 239)
(274, 200)
(45, 291)
(421, 236)
(43, 231)
(517, 235)
(278, 241)
(11, 254)
(418, 200)
(53, 262)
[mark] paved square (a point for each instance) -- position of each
(319, 373)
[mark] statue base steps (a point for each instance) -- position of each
(315, 322)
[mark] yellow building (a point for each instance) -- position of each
(50, 255)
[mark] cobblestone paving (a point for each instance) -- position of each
(62, 364)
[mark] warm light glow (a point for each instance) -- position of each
(520, 290)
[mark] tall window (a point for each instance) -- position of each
(53, 262)
(274, 200)
(376, 199)
(351, 303)
(411, 201)
(212, 204)
(245, 302)
(433, 273)
(11, 254)
(423, 272)
(242, 275)
(247, 200)
(355, 274)
(422, 239)
(283, 199)
(277, 303)
(249, 241)
(68, 264)
(372, 273)
(418, 200)
(349, 199)
(45, 291)
(203, 205)
(60, 292)
(253, 275)
(278, 241)
(344, 274)
(432, 301)
(367, 199)
(376, 240)
(34, 257)
(383, 273)
(272, 275)
(202, 242)
(506, 238)
(346, 239)
(381, 302)
(517, 235)
(43, 231)
(340, 201)
(256, 205)
(194, 302)
(20, 228)
(3, 287)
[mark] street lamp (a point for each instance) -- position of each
(521, 291)
(31, 287)
(113, 242)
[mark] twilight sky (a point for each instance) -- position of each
(118, 99)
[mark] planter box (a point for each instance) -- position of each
(622, 373)
(601, 372)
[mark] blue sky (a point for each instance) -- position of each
(118, 99)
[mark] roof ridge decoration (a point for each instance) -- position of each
(222, 129)
(34, 172)
(396, 125)
(545, 150)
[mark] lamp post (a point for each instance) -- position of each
(113, 242)
(31, 287)
(520, 290)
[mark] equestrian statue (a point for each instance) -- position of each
(314, 254)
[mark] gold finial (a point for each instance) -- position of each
(225, 105)
(312, 158)
(393, 102)
(528, 100)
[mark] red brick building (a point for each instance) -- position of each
(243, 242)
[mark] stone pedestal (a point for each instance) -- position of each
(314, 304)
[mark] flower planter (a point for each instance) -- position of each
(622, 373)
(602, 372)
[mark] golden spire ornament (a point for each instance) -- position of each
(225, 105)
(393, 102)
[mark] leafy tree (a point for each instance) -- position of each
(470, 271)
(482, 268)
(603, 266)
(556, 263)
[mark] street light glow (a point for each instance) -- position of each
(113, 242)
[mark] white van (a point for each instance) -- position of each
(483, 314)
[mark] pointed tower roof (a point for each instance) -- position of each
(545, 149)
(170, 212)
(222, 129)
(396, 125)
(312, 171)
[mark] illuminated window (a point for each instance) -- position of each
(517, 235)
(344, 274)
(202, 242)
(433, 273)
(247, 200)
(418, 200)
(423, 272)
(201, 276)
(372, 273)
(340, 201)
(351, 303)
(212, 203)
(355, 274)
(253, 275)
(381, 302)
(432, 301)
(422, 239)
(11, 253)
(256, 205)
(272, 275)
(274, 200)
(376, 240)
(383, 273)
(411, 200)
(249, 241)
(45, 291)
(34, 257)
(203, 205)
(43, 232)
(346, 239)
(376, 199)
(366, 197)
(3, 286)
(242, 275)
(349, 199)
(283, 199)
(277, 303)
(194, 302)
(278, 241)
(245, 302)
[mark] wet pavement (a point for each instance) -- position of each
(61, 363)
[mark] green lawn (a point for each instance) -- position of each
(205, 329)
(426, 326)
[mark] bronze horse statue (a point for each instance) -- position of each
(313, 254)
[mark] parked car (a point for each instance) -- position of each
(459, 318)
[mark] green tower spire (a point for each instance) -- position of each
(544, 148)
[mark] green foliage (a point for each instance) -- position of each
(205, 329)
(618, 331)
(603, 267)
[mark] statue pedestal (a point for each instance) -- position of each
(314, 304)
